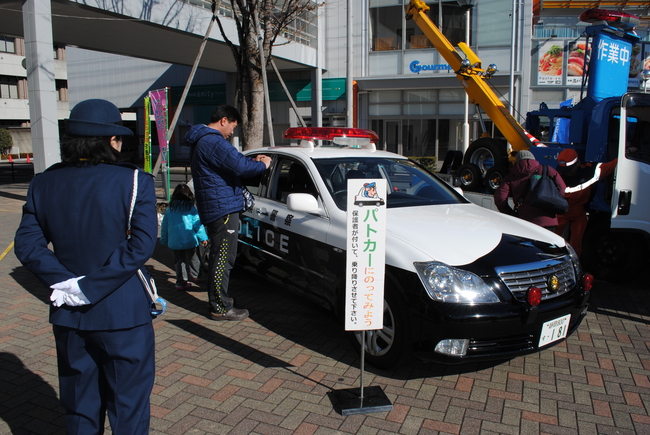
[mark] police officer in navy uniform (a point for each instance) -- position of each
(100, 311)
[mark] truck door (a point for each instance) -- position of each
(631, 199)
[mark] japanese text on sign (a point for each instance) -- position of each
(366, 251)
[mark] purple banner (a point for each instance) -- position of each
(159, 108)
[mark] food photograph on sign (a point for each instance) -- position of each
(549, 67)
(636, 61)
(577, 61)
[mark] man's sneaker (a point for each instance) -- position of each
(232, 314)
(181, 288)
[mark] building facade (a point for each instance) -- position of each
(403, 88)
(14, 101)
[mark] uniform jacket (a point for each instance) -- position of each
(83, 212)
(515, 184)
(182, 230)
(582, 186)
(217, 170)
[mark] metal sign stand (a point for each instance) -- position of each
(359, 400)
(364, 266)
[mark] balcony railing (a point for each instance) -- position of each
(547, 27)
(546, 32)
(302, 30)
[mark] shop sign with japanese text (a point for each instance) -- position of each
(366, 253)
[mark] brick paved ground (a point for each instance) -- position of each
(274, 373)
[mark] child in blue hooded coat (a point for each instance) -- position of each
(181, 230)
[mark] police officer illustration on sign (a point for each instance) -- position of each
(368, 195)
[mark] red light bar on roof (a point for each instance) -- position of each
(328, 133)
(610, 16)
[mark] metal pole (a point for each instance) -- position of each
(363, 364)
(512, 57)
(348, 81)
(187, 85)
(286, 91)
(466, 120)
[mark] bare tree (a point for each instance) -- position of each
(255, 19)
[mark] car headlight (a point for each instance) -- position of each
(576, 261)
(448, 284)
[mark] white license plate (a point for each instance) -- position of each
(554, 330)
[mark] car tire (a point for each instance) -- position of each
(392, 345)
(487, 152)
(494, 177)
(613, 256)
(470, 177)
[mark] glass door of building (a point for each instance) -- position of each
(390, 134)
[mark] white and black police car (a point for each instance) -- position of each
(463, 283)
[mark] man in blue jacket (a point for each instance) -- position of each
(217, 170)
(100, 218)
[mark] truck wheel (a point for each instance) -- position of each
(613, 256)
(487, 152)
(391, 345)
(494, 177)
(470, 177)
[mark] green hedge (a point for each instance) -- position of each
(6, 142)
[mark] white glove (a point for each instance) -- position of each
(74, 300)
(57, 298)
(72, 294)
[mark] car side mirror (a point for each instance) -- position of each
(303, 202)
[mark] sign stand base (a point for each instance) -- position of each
(374, 400)
(362, 400)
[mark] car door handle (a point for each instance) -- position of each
(262, 211)
(624, 201)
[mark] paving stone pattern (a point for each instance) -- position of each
(275, 372)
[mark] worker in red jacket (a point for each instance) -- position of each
(581, 180)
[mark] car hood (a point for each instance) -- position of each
(456, 234)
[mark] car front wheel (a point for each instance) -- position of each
(391, 345)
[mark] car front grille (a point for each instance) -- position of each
(519, 278)
(500, 345)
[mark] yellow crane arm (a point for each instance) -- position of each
(471, 78)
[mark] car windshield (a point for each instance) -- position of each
(408, 184)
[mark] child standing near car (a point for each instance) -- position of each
(182, 231)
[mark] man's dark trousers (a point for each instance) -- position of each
(223, 234)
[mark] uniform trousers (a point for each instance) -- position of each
(223, 234)
(577, 223)
(106, 371)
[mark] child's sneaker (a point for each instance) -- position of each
(181, 288)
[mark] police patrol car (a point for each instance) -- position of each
(463, 283)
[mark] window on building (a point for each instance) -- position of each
(453, 25)
(420, 102)
(7, 44)
(62, 90)
(420, 137)
(8, 87)
(453, 21)
(386, 23)
(494, 19)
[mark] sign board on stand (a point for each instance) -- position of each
(364, 296)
